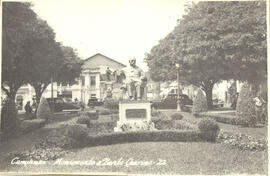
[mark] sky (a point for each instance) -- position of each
(119, 29)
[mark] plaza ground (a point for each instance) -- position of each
(179, 157)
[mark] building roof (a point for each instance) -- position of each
(105, 57)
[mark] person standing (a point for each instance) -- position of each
(27, 108)
(258, 107)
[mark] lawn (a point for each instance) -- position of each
(174, 157)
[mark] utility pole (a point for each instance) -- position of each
(178, 87)
(53, 102)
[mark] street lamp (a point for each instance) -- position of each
(177, 65)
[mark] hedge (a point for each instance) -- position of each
(147, 136)
(224, 118)
(29, 125)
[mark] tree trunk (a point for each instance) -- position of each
(11, 93)
(209, 99)
(39, 89)
(208, 89)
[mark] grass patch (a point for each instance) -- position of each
(181, 158)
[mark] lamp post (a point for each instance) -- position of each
(177, 65)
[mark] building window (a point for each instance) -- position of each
(93, 95)
(93, 81)
(83, 80)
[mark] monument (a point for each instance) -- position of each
(134, 109)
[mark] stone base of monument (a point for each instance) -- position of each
(134, 113)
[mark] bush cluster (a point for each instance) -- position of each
(83, 120)
(105, 112)
(111, 104)
(173, 125)
(245, 109)
(43, 110)
(104, 127)
(177, 116)
(68, 136)
(10, 124)
(29, 125)
(159, 116)
(225, 118)
(183, 125)
(200, 103)
(241, 141)
(155, 113)
(208, 125)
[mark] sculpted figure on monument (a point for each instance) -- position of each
(135, 81)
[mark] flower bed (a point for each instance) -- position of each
(241, 141)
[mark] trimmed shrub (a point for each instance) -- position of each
(208, 125)
(10, 123)
(30, 125)
(93, 115)
(111, 103)
(105, 112)
(200, 103)
(104, 127)
(83, 120)
(160, 116)
(67, 136)
(164, 124)
(155, 113)
(245, 109)
(177, 116)
(43, 110)
(174, 125)
(144, 136)
(184, 125)
(224, 118)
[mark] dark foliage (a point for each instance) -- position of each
(177, 116)
(10, 123)
(111, 104)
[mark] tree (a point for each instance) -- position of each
(31, 54)
(214, 41)
(70, 68)
(17, 27)
(61, 63)
(42, 57)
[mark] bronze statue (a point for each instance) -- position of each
(135, 80)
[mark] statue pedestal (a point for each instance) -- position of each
(133, 112)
